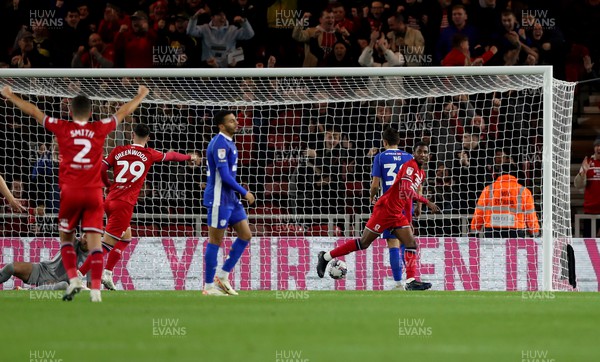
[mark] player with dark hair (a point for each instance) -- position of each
(224, 206)
(385, 167)
(390, 213)
(131, 164)
(80, 144)
(49, 274)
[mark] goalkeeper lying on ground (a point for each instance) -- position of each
(49, 274)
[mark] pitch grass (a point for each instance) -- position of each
(301, 326)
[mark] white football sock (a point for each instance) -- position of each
(222, 274)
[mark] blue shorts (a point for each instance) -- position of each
(220, 217)
(387, 234)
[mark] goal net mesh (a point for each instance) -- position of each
(306, 147)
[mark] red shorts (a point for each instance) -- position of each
(118, 215)
(381, 219)
(81, 204)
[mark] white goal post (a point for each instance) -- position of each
(409, 94)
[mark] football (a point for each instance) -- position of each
(337, 269)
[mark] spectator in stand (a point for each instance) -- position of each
(255, 16)
(588, 178)
(458, 25)
(13, 15)
(509, 39)
(85, 21)
(414, 14)
(325, 35)
(461, 56)
(44, 182)
(148, 202)
(550, 47)
(340, 57)
(340, 21)
(321, 176)
(485, 18)
(26, 55)
(470, 166)
(41, 40)
(134, 47)
(408, 41)
(437, 17)
(379, 54)
(100, 55)
(200, 8)
(175, 36)
(219, 38)
(112, 22)
(69, 38)
(376, 19)
(579, 65)
(158, 14)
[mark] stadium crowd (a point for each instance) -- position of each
(315, 158)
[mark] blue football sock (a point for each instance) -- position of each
(237, 249)
(402, 248)
(210, 262)
(395, 263)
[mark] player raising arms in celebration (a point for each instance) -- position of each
(81, 144)
(224, 206)
(385, 166)
(131, 164)
(389, 213)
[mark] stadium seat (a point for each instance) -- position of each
(276, 189)
(285, 229)
(276, 142)
(323, 230)
(245, 144)
(260, 229)
(266, 210)
(177, 230)
(144, 230)
(355, 189)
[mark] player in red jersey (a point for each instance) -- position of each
(131, 164)
(393, 212)
(81, 144)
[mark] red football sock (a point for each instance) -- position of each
(346, 248)
(69, 259)
(410, 259)
(115, 254)
(85, 267)
(96, 262)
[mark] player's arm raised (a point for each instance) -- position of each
(131, 106)
(23, 105)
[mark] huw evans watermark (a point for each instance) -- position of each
(168, 327)
(414, 327)
(292, 294)
(290, 356)
(49, 19)
(44, 355)
(536, 356)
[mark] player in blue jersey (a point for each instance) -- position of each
(224, 206)
(385, 167)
